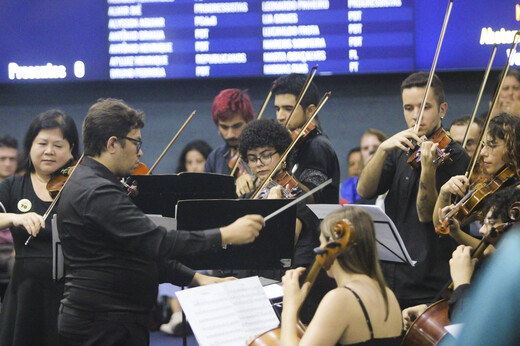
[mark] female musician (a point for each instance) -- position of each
(462, 266)
(361, 310)
(261, 144)
(500, 150)
(30, 311)
(193, 156)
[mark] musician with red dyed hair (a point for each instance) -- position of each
(232, 110)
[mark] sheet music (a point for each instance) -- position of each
(390, 246)
(228, 313)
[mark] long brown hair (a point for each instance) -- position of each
(362, 258)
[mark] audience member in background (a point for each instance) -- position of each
(232, 110)
(458, 130)
(8, 165)
(509, 100)
(369, 143)
(355, 162)
(8, 156)
(193, 156)
(348, 191)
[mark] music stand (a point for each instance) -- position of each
(158, 194)
(273, 249)
(390, 245)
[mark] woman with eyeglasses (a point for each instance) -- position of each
(498, 217)
(261, 144)
(500, 154)
(30, 311)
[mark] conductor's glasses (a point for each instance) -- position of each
(138, 143)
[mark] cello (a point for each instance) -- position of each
(429, 327)
(325, 256)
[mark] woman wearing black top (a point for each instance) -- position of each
(30, 310)
(362, 309)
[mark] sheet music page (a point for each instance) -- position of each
(227, 313)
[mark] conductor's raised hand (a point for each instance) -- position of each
(32, 222)
(244, 230)
(402, 140)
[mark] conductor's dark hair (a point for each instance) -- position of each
(107, 118)
(293, 84)
(263, 133)
(51, 119)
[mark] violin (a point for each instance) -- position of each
(290, 186)
(471, 202)
(441, 137)
(344, 236)
(141, 169)
(306, 131)
(236, 166)
(59, 178)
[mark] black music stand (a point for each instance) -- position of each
(158, 194)
(273, 249)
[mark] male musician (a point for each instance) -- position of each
(315, 160)
(232, 109)
(458, 130)
(115, 255)
(413, 192)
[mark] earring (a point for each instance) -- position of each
(514, 211)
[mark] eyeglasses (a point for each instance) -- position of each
(264, 158)
(138, 143)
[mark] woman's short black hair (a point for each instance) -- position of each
(198, 145)
(51, 119)
(263, 133)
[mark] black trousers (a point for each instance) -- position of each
(77, 327)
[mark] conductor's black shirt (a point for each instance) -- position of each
(115, 256)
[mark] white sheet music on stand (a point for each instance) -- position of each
(390, 246)
(229, 312)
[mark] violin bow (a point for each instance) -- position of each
(434, 65)
(55, 200)
(262, 109)
(479, 96)
(299, 99)
(171, 143)
(496, 96)
(289, 148)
